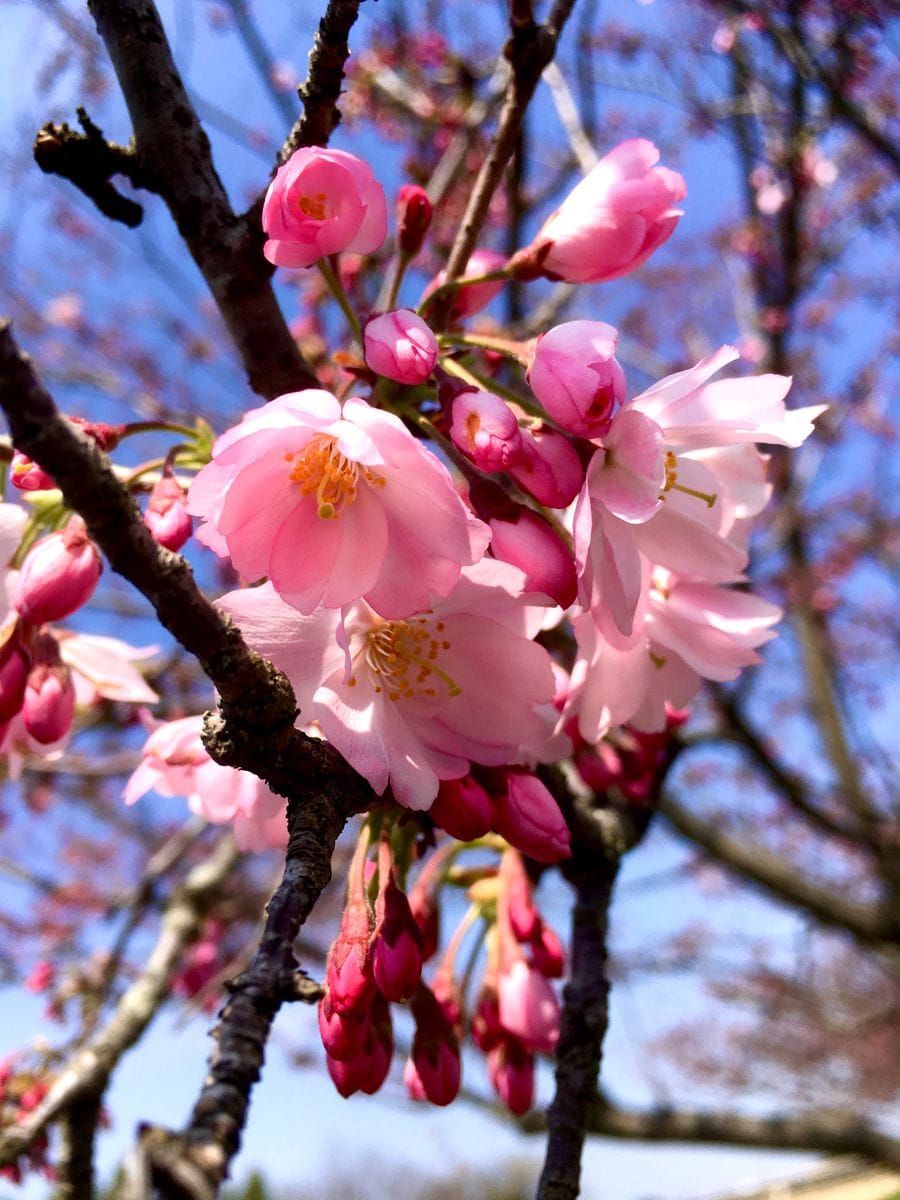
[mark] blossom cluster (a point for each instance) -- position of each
(473, 558)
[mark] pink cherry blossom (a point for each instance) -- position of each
(319, 203)
(335, 503)
(411, 702)
(576, 377)
(175, 763)
(400, 346)
(103, 668)
(689, 631)
(614, 219)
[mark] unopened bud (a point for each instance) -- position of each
(414, 212)
(58, 576)
(166, 516)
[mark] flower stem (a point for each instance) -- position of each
(331, 277)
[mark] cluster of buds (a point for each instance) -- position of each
(377, 959)
(58, 575)
(630, 760)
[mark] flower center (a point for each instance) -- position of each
(403, 656)
(314, 206)
(321, 468)
(671, 484)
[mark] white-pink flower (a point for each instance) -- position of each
(687, 631)
(175, 763)
(320, 202)
(335, 503)
(411, 702)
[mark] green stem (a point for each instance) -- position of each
(330, 275)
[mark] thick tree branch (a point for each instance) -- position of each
(829, 1132)
(174, 159)
(869, 924)
(322, 89)
(583, 1027)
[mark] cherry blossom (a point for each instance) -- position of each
(335, 503)
(411, 702)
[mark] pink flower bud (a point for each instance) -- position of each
(528, 542)
(463, 808)
(576, 377)
(548, 467)
(58, 576)
(41, 976)
(472, 299)
(166, 516)
(523, 916)
(319, 203)
(425, 908)
(528, 1006)
(49, 703)
(547, 954)
(15, 664)
(612, 221)
(396, 948)
(485, 428)
(433, 1071)
(529, 818)
(400, 346)
(414, 212)
(25, 474)
(486, 1030)
(511, 1072)
(448, 994)
(348, 973)
(379, 1048)
(343, 1034)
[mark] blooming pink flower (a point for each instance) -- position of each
(102, 668)
(335, 504)
(486, 429)
(411, 702)
(576, 377)
(175, 763)
(690, 630)
(58, 576)
(614, 219)
(400, 346)
(319, 203)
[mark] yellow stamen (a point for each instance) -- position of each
(322, 469)
(395, 646)
(671, 464)
(314, 206)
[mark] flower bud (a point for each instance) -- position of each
(414, 212)
(528, 1007)
(547, 954)
(49, 702)
(433, 1071)
(576, 377)
(166, 516)
(511, 1072)
(343, 1034)
(485, 428)
(348, 973)
(548, 467)
(528, 542)
(400, 346)
(58, 576)
(27, 476)
(396, 949)
(15, 664)
(529, 818)
(424, 905)
(473, 298)
(463, 808)
(486, 1030)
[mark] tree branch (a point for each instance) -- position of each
(869, 924)
(174, 160)
(322, 89)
